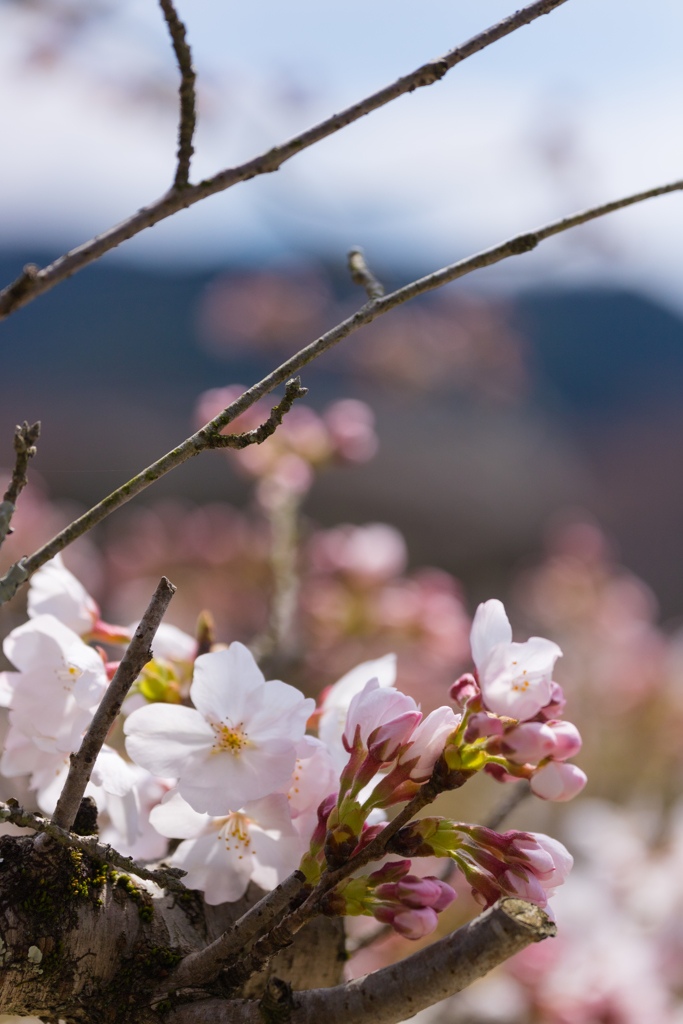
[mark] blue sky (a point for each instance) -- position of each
(580, 107)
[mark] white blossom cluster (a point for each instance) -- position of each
(225, 766)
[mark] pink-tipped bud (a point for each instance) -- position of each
(415, 892)
(528, 888)
(481, 725)
(415, 924)
(446, 894)
(568, 740)
(557, 703)
(558, 781)
(462, 689)
(529, 743)
(392, 871)
(386, 741)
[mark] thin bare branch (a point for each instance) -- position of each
(188, 116)
(25, 438)
(403, 989)
(137, 655)
(208, 436)
(204, 966)
(362, 275)
(293, 390)
(35, 282)
(167, 878)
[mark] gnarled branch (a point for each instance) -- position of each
(138, 653)
(34, 282)
(166, 878)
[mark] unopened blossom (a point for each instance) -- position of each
(336, 699)
(222, 854)
(59, 682)
(567, 740)
(515, 679)
(463, 689)
(558, 781)
(529, 743)
(380, 712)
(237, 744)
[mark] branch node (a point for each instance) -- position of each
(25, 438)
(362, 275)
(277, 1003)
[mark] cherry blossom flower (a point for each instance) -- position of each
(314, 778)
(59, 682)
(515, 679)
(336, 700)
(223, 854)
(236, 745)
(133, 836)
(56, 591)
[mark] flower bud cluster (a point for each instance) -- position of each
(384, 732)
(511, 706)
(525, 864)
(393, 896)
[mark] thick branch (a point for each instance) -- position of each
(207, 436)
(200, 968)
(283, 934)
(25, 438)
(362, 275)
(188, 115)
(402, 990)
(137, 655)
(167, 878)
(35, 282)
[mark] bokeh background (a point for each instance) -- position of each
(529, 418)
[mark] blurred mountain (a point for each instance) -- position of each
(113, 360)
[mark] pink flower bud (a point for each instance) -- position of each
(386, 741)
(415, 892)
(415, 924)
(373, 707)
(481, 725)
(527, 889)
(529, 743)
(392, 871)
(557, 702)
(558, 781)
(567, 740)
(462, 689)
(446, 894)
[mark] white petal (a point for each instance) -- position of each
(271, 813)
(382, 669)
(223, 875)
(175, 819)
(225, 781)
(278, 709)
(164, 738)
(114, 774)
(56, 591)
(490, 627)
(7, 680)
(223, 682)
